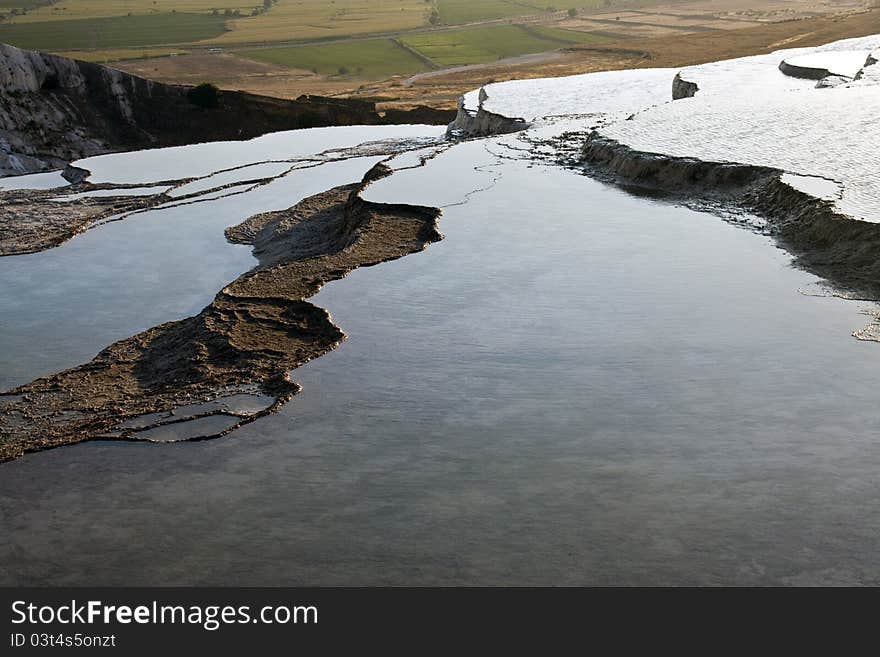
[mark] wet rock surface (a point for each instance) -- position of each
(831, 245)
(35, 220)
(32, 220)
(255, 331)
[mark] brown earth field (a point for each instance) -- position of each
(442, 88)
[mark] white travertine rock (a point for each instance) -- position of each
(618, 92)
(828, 133)
(760, 73)
(743, 110)
(844, 63)
(25, 70)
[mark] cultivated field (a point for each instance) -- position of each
(281, 20)
(113, 32)
(458, 12)
(441, 88)
(568, 37)
(373, 47)
(262, 22)
(87, 9)
(367, 58)
(485, 44)
(298, 20)
(10, 4)
(412, 53)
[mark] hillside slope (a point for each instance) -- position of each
(54, 110)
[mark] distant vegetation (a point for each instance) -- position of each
(204, 95)
(372, 57)
(323, 19)
(487, 44)
(118, 32)
(20, 4)
(383, 57)
(107, 30)
(456, 12)
(74, 9)
(127, 24)
(568, 37)
(9, 9)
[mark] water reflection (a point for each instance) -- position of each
(575, 386)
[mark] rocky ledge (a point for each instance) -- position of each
(243, 344)
(54, 110)
(823, 241)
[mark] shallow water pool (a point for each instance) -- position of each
(576, 386)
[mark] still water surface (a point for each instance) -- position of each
(576, 386)
(62, 306)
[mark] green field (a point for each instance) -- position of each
(479, 45)
(384, 57)
(61, 10)
(456, 12)
(566, 37)
(367, 58)
(320, 19)
(116, 32)
(98, 30)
